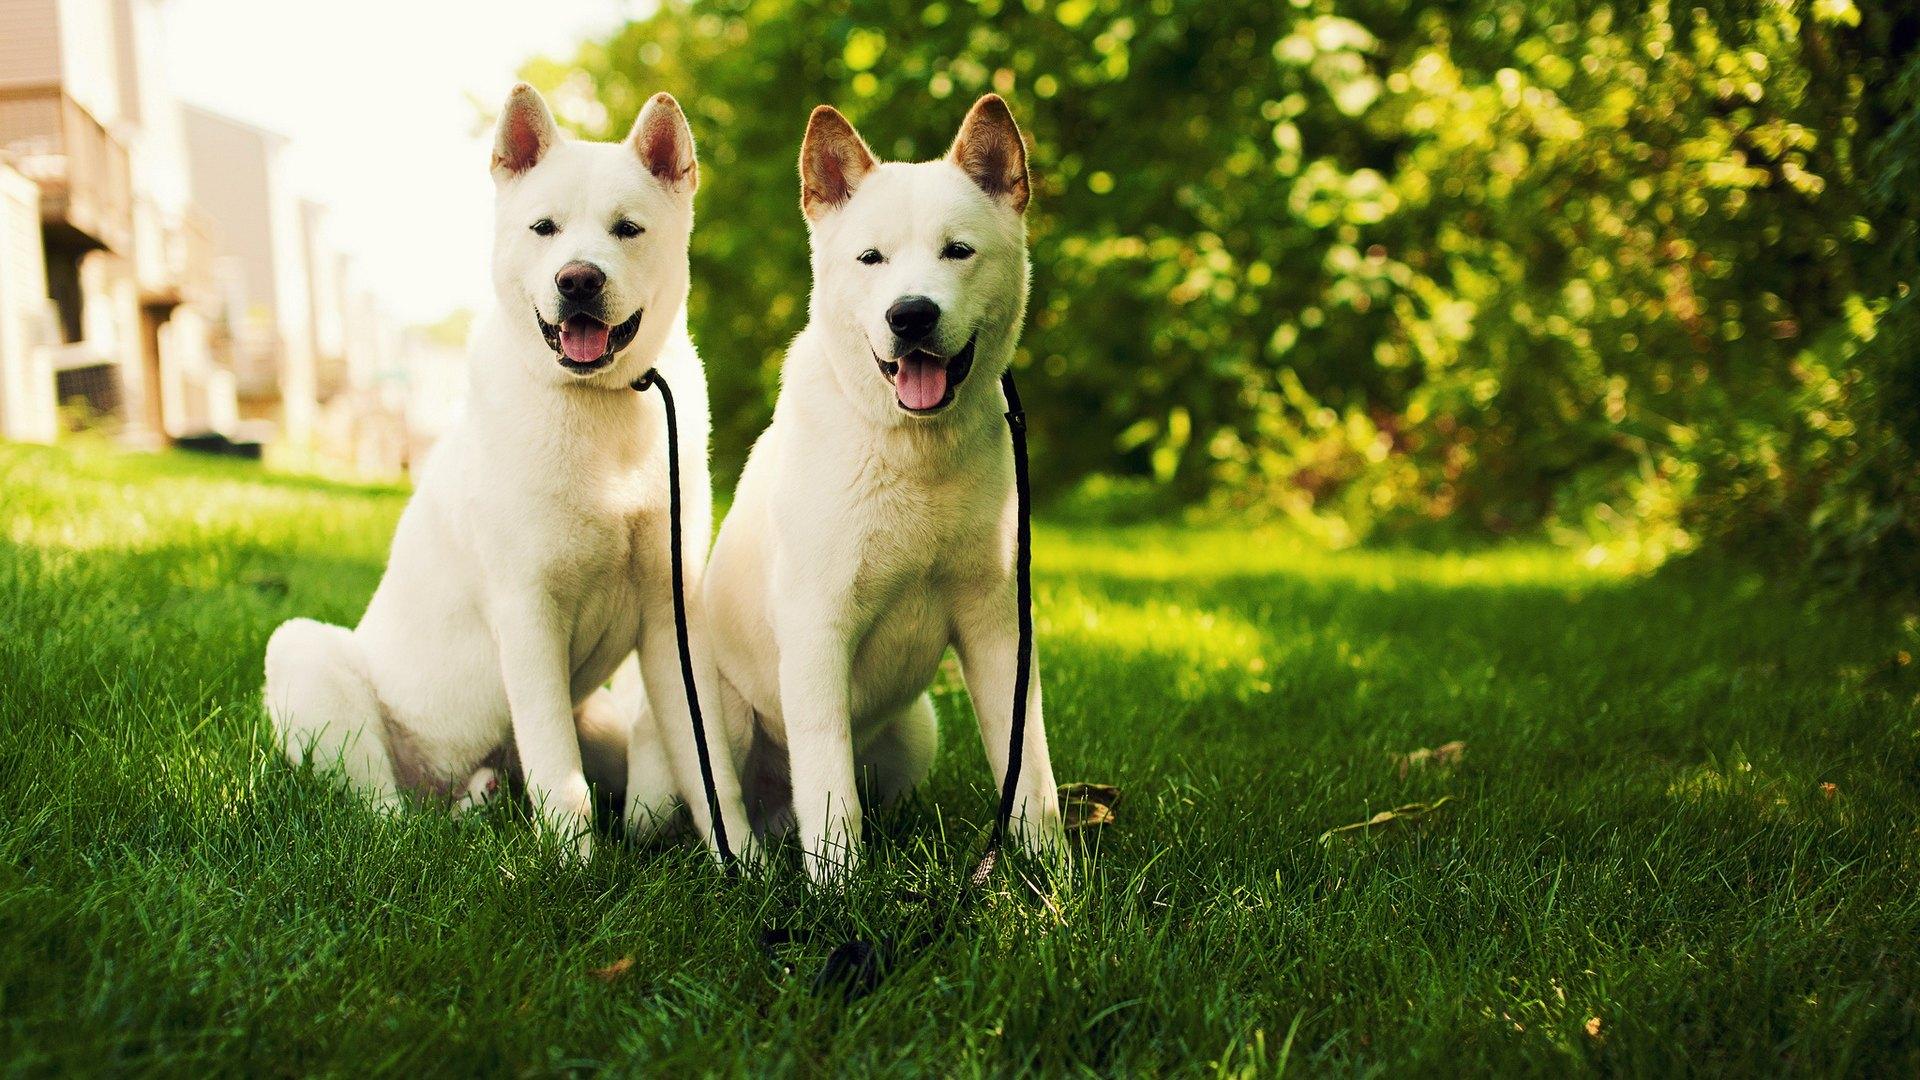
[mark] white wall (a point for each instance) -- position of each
(29, 43)
(27, 402)
(299, 403)
(239, 180)
(89, 60)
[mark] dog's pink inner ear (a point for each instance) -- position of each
(526, 132)
(990, 151)
(664, 141)
(520, 150)
(833, 161)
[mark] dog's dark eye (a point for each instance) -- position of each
(956, 250)
(626, 230)
(544, 227)
(872, 257)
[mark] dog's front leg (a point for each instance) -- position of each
(815, 705)
(667, 694)
(986, 635)
(533, 663)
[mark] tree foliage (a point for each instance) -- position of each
(1636, 272)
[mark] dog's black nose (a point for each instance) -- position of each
(580, 281)
(913, 317)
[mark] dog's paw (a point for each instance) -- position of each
(483, 787)
(566, 816)
(580, 851)
(651, 819)
(753, 857)
(830, 869)
(1042, 834)
(572, 840)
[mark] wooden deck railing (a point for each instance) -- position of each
(86, 190)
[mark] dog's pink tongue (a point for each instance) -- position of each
(921, 381)
(584, 340)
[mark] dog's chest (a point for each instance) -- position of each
(914, 537)
(945, 514)
(618, 544)
(921, 548)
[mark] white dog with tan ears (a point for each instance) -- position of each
(875, 523)
(533, 557)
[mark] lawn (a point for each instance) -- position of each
(1684, 831)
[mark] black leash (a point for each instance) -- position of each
(1023, 600)
(645, 382)
(857, 965)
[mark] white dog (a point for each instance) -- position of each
(874, 525)
(533, 557)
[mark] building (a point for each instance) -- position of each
(85, 115)
(159, 273)
(27, 316)
(260, 227)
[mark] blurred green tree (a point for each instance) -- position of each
(1637, 273)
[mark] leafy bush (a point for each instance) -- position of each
(1636, 273)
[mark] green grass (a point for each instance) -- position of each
(1638, 833)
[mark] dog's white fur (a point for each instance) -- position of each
(533, 556)
(863, 539)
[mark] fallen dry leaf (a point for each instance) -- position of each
(1444, 756)
(1400, 814)
(614, 970)
(1087, 806)
(1829, 790)
(1593, 1027)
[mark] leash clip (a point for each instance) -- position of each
(645, 382)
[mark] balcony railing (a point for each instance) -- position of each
(175, 255)
(86, 190)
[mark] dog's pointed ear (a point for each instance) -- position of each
(525, 134)
(833, 161)
(663, 140)
(990, 151)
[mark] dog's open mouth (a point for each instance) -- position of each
(924, 382)
(584, 344)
